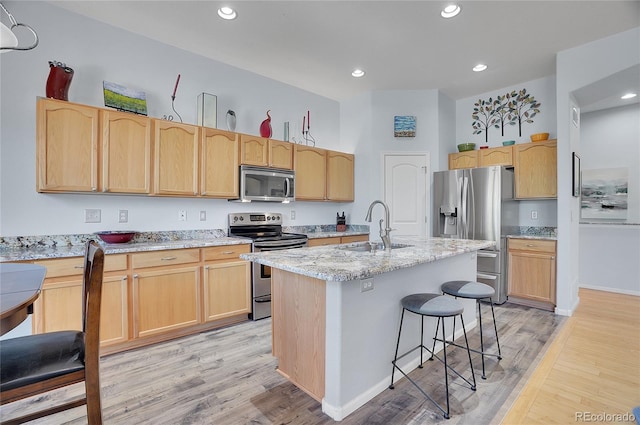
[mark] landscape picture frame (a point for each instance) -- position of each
(123, 98)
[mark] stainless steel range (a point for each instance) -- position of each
(265, 230)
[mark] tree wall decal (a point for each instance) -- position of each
(483, 117)
(503, 111)
(523, 108)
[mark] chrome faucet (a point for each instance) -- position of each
(384, 232)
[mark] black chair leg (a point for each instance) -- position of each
(395, 358)
(495, 328)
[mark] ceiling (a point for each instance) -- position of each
(402, 45)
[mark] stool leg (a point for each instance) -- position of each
(421, 340)
(446, 372)
(481, 338)
(433, 348)
(495, 327)
(473, 375)
(395, 358)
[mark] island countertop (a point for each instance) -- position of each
(336, 263)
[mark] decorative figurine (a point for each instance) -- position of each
(59, 80)
(231, 120)
(265, 127)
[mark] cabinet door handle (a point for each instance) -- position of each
(135, 276)
(124, 279)
(206, 267)
(530, 245)
(168, 258)
(228, 252)
(78, 267)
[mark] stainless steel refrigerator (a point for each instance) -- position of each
(478, 203)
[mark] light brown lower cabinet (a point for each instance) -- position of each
(336, 240)
(226, 282)
(532, 272)
(149, 297)
(59, 306)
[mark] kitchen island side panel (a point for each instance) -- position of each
(362, 329)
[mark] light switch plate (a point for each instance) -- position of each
(92, 215)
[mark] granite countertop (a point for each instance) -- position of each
(61, 246)
(526, 232)
(336, 263)
(327, 231)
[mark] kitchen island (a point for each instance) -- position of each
(336, 312)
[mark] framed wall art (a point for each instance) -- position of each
(404, 126)
(576, 183)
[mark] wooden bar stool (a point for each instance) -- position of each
(432, 305)
(479, 292)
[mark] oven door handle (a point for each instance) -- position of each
(267, 246)
(262, 300)
(486, 276)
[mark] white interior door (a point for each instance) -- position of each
(406, 192)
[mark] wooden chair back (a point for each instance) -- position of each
(88, 370)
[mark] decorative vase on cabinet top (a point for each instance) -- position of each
(265, 126)
(60, 76)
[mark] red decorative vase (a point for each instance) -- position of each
(59, 80)
(265, 126)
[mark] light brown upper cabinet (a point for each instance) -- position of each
(263, 152)
(67, 147)
(340, 169)
(495, 156)
(311, 173)
(219, 164)
(535, 168)
(175, 158)
(468, 159)
(125, 153)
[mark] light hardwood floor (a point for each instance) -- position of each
(227, 377)
(592, 369)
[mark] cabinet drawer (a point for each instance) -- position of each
(324, 241)
(537, 245)
(355, 238)
(225, 252)
(164, 258)
(75, 265)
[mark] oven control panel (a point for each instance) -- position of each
(254, 219)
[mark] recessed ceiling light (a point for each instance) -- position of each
(480, 67)
(358, 73)
(227, 13)
(629, 96)
(450, 11)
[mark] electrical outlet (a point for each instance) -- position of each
(366, 285)
(534, 215)
(182, 215)
(203, 216)
(92, 215)
(123, 216)
(293, 214)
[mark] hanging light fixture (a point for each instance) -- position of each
(8, 39)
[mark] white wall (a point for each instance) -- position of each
(611, 139)
(543, 90)
(100, 52)
(576, 68)
(609, 258)
(367, 121)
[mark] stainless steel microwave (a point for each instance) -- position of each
(266, 184)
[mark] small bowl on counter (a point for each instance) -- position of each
(540, 137)
(464, 147)
(117, 236)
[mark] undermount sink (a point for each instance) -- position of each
(371, 246)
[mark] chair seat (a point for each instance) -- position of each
(434, 305)
(34, 358)
(467, 289)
